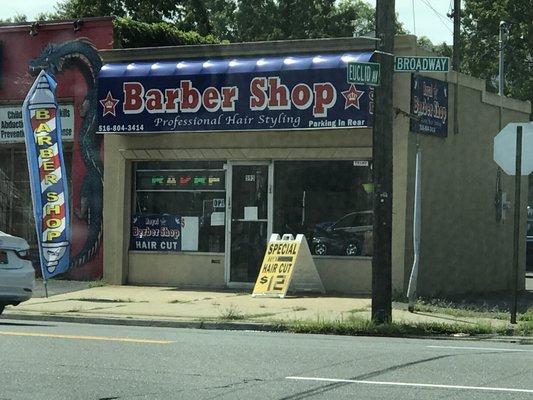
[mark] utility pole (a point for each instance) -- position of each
(382, 155)
(502, 43)
(456, 55)
(456, 61)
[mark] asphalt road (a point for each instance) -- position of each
(80, 361)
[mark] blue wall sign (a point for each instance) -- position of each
(429, 101)
(300, 92)
(156, 232)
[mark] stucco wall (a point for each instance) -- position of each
(123, 266)
(464, 249)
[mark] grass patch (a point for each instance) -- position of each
(298, 308)
(357, 310)
(232, 313)
(467, 311)
(527, 316)
(98, 283)
(354, 326)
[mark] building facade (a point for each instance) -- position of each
(210, 149)
(59, 46)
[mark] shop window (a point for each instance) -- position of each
(179, 206)
(328, 201)
(16, 208)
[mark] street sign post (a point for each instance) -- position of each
(515, 142)
(421, 64)
(363, 73)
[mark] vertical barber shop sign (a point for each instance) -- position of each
(48, 180)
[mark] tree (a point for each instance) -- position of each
(481, 21)
(442, 49)
(15, 19)
(239, 20)
(255, 20)
(302, 19)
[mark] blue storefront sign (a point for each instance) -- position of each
(156, 232)
(300, 92)
(429, 101)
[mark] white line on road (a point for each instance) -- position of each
(479, 348)
(425, 385)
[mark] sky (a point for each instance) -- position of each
(429, 15)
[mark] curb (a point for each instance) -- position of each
(233, 326)
(159, 323)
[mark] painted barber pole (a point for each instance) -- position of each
(48, 180)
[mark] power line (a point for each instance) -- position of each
(441, 17)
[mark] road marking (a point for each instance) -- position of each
(424, 385)
(75, 337)
(479, 348)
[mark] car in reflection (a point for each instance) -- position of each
(345, 236)
(17, 275)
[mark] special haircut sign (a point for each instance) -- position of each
(153, 101)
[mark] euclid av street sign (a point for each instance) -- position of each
(421, 64)
(363, 73)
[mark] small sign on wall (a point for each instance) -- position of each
(11, 123)
(429, 102)
(156, 232)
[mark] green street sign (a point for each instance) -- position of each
(363, 73)
(421, 64)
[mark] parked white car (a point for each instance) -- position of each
(17, 275)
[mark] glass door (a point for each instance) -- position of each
(249, 203)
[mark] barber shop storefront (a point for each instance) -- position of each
(210, 149)
(220, 152)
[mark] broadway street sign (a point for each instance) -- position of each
(363, 73)
(421, 64)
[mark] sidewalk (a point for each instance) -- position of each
(168, 306)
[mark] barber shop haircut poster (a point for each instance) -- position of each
(429, 102)
(157, 232)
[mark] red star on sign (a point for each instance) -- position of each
(352, 97)
(109, 104)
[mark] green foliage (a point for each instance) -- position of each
(303, 19)
(355, 326)
(254, 20)
(129, 33)
(98, 283)
(442, 49)
(481, 20)
(238, 20)
(15, 19)
(72, 9)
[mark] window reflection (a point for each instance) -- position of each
(328, 201)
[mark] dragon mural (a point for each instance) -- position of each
(82, 54)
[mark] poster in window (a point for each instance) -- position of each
(156, 232)
(181, 180)
(429, 102)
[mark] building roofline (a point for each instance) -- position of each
(49, 24)
(239, 49)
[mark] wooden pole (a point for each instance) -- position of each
(382, 155)
(456, 61)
